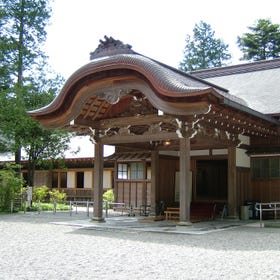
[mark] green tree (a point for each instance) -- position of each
(203, 50)
(43, 145)
(10, 186)
(26, 83)
(23, 25)
(262, 42)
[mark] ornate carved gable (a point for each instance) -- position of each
(110, 46)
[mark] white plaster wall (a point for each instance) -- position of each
(200, 153)
(107, 179)
(219, 152)
(244, 139)
(242, 159)
(71, 179)
(88, 179)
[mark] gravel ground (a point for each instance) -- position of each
(34, 248)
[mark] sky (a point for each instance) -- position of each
(154, 28)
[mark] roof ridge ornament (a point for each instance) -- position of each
(109, 46)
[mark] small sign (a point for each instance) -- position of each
(29, 196)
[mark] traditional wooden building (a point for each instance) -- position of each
(74, 176)
(179, 137)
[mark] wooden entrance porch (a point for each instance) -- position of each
(127, 100)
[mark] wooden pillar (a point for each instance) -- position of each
(116, 185)
(184, 184)
(154, 179)
(144, 184)
(232, 190)
(98, 183)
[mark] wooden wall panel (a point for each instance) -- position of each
(133, 194)
(275, 191)
(266, 190)
(139, 194)
(126, 193)
(243, 186)
(120, 190)
(166, 182)
(149, 189)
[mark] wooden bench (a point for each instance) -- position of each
(199, 211)
(172, 213)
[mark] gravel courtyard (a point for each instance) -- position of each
(32, 247)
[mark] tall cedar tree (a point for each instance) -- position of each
(203, 50)
(263, 42)
(24, 84)
(23, 25)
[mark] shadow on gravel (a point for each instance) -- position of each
(35, 217)
(234, 239)
(244, 237)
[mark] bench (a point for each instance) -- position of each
(199, 211)
(172, 213)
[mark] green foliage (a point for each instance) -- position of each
(23, 32)
(40, 193)
(262, 42)
(57, 196)
(109, 196)
(43, 193)
(10, 186)
(26, 83)
(50, 207)
(203, 50)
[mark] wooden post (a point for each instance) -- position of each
(232, 189)
(184, 184)
(144, 184)
(154, 179)
(98, 183)
(115, 183)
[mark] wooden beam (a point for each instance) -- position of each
(125, 121)
(119, 139)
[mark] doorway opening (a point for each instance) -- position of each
(211, 179)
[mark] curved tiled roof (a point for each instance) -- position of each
(167, 81)
(162, 85)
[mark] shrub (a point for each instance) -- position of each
(58, 196)
(10, 186)
(40, 193)
(50, 207)
(109, 196)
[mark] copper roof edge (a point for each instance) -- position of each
(237, 68)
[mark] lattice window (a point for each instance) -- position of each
(266, 168)
(136, 170)
(122, 171)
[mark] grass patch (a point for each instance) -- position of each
(50, 207)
